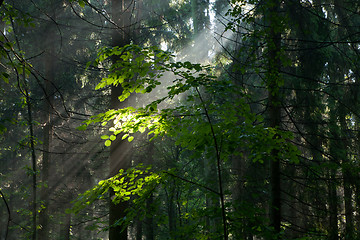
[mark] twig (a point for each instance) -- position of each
(189, 181)
(9, 213)
(218, 159)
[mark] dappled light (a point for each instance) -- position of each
(192, 119)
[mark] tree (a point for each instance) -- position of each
(119, 152)
(260, 143)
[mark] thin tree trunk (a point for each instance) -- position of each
(273, 79)
(335, 161)
(22, 79)
(34, 166)
(347, 181)
(149, 220)
(139, 229)
(172, 212)
(333, 207)
(349, 210)
(47, 145)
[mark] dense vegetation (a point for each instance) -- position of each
(190, 119)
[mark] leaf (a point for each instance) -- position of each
(81, 3)
(108, 143)
(82, 127)
(2, 129)
(104, 137)
(5, 76)
(130, 138)
(125, 136)
(142, 129)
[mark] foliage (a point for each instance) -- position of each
(212, 117)
(136, 181)
(208, 124)
(224, 102)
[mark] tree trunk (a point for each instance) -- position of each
(273, 79)
(335, 161)
(119, 150)
(346, 30)
(349, 210)
(149, 220)
(50, 70)
(333, 207)
(347, 179)
(65, 227)
(171, 207)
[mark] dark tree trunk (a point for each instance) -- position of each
(333, 207)
(120, 149)
(149, 220)
(346, 30)
(335, 162)
(65, 227)
(273, 79)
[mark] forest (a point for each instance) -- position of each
(180, 119)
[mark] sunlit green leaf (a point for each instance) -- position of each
(108, 143)
(104, 137)
(124, 136)
(82, 127)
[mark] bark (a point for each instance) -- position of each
(65, 228)
(346, 29)
(119, 150)
(8, 217)
(172, 212)
(48, 130)
(139, 230)
(200, 18)
(335, 161)
(333, 207)
(347, 182)
(47, 143)
(34, 166)
(22, 79)
(357, 203)
(149, 220)
(349, 209)
(273, 78)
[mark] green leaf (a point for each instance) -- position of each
(108, 143)
(81, 3)
(130, 138)
(125, 136)
(104, 137)
(5, 76)
(2, 129)
(82, 127)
